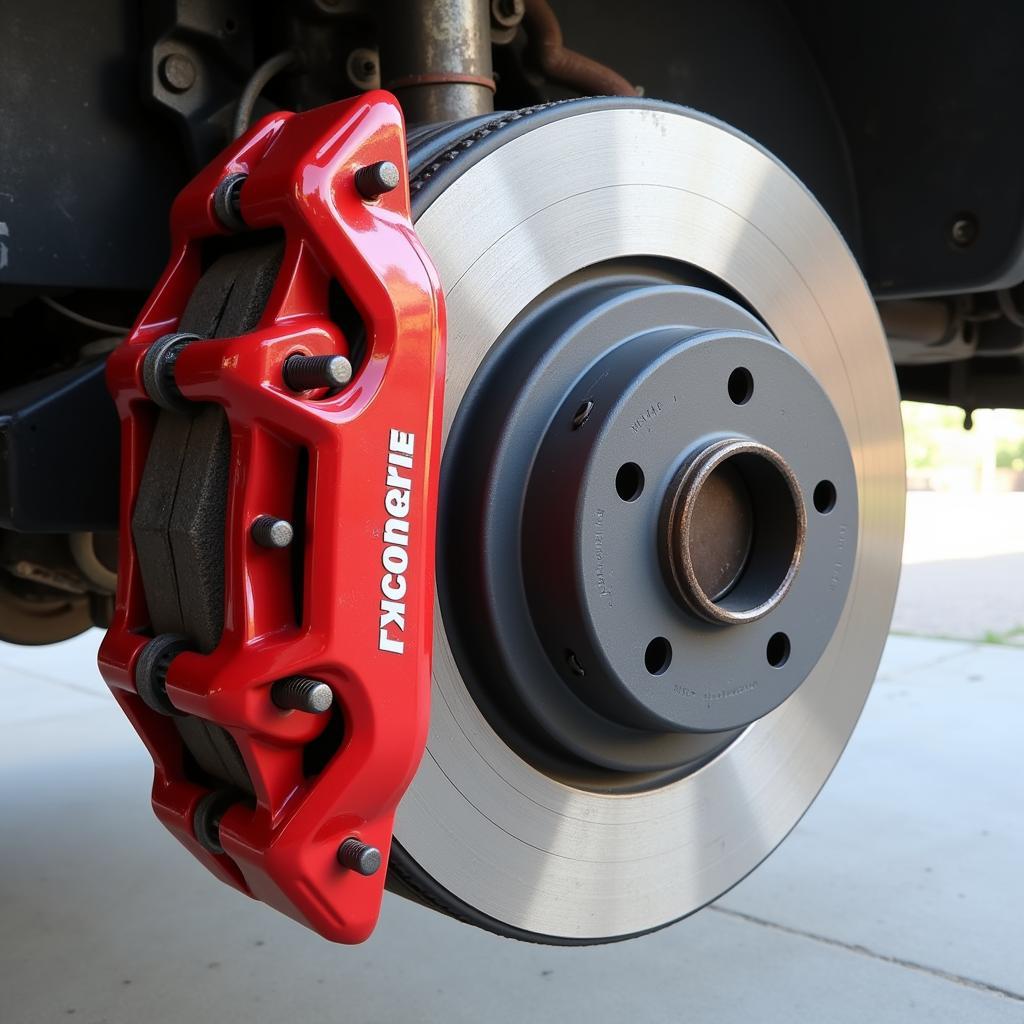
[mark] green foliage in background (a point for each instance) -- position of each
(936, 439)
(1010, 455)
(935, 436)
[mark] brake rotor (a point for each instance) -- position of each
(670, 519)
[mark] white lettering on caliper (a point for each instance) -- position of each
(395, 558)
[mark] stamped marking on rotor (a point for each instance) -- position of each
(600, 572)
(712, 696)
(839, 564)
(646, 418)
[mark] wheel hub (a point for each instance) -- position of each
(645, 518)
(671, 514)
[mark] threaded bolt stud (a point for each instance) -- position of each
(271, 532)
(358, 856)
(299, 693)
(374, 180)
(306, 373)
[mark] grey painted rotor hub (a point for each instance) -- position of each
(650, 481)
(678, 579)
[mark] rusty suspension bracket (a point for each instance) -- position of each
(326, 626)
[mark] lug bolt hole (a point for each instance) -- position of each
(778, 650)
(741, 385)
(629, 481)
(825, 497)
(658, 656)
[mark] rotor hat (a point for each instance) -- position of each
(667, 543)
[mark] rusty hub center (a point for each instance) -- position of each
(733, 532)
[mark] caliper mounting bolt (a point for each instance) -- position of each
(358, 856)
(271, 532)
(307, 373)
(374, 180)
(227, 201)
(300, 693)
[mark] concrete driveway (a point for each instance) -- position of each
(898, 898)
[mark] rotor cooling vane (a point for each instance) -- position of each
(668, 515)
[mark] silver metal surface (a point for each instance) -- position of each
(436, 59)
(518, 845)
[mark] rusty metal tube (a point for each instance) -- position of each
(436, 58)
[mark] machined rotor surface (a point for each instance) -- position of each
(487, 832)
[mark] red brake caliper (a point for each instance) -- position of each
(368, 557)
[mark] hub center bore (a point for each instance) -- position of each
(733, 531)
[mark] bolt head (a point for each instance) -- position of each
(964, 230)
(363, 68)
(178, 72)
